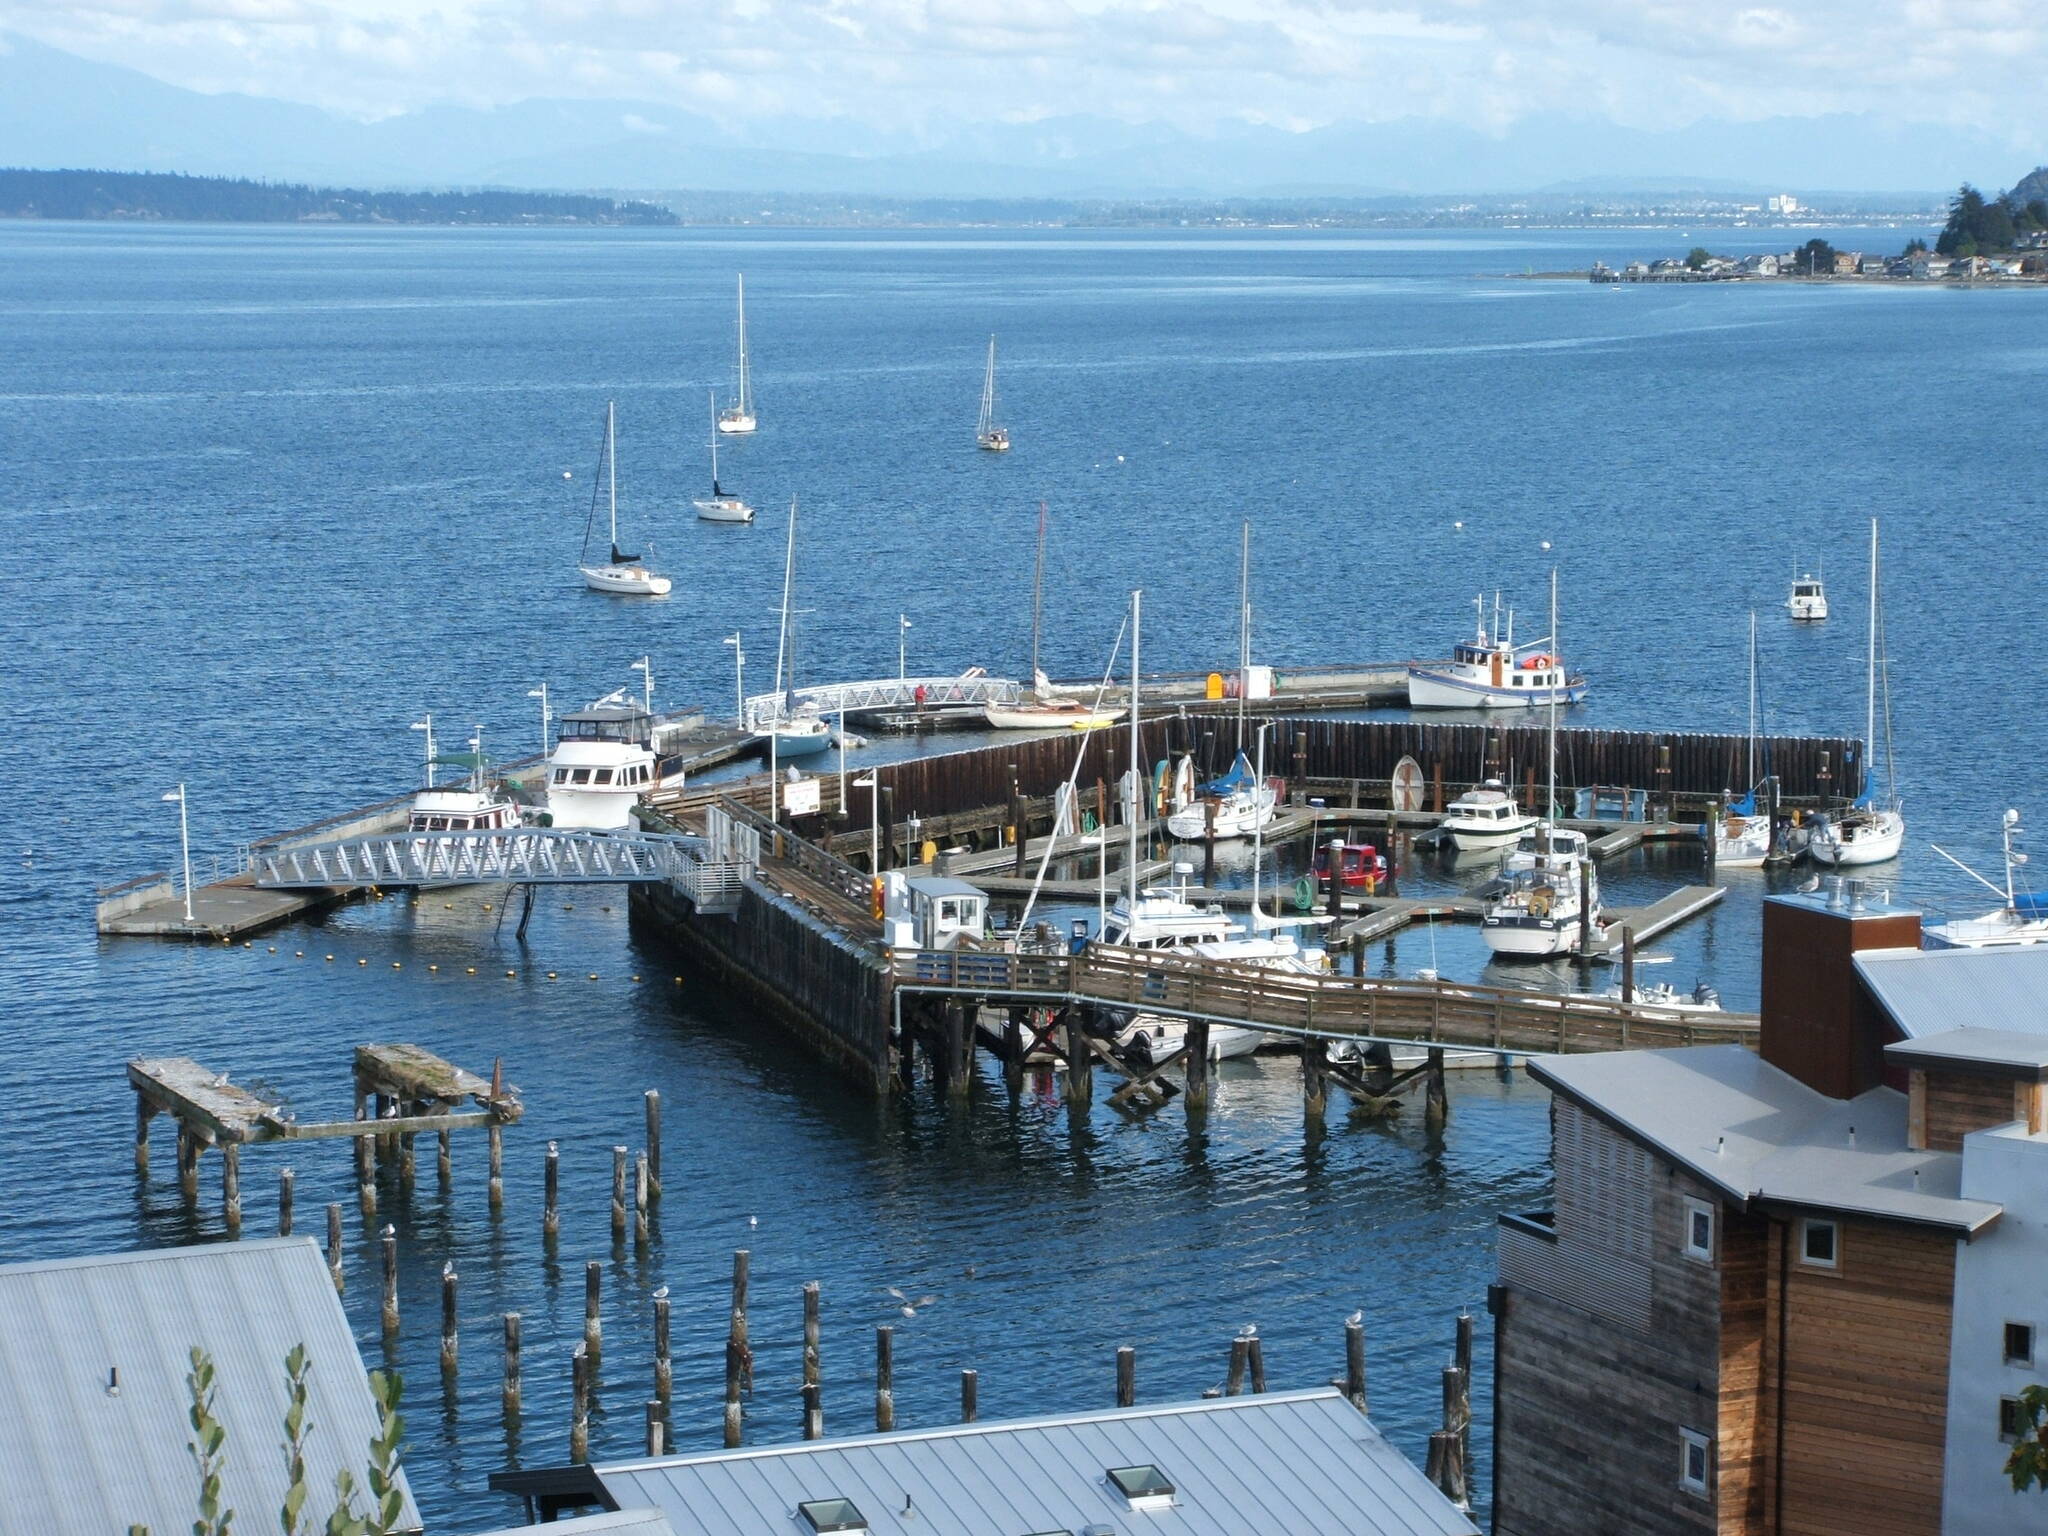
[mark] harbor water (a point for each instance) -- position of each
(273, 494)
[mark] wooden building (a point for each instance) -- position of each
(1791, 1292)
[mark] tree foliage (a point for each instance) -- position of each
(124, 195)
(208, 1446)
(1816, 258)
(1977, 225)
(2027, 1466)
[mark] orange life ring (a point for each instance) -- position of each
(1535, 663)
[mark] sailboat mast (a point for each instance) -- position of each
(1244, 626)
(1037, 595)
(1137, 773)
(746, 386)
(1870, 676)
(611, 474)
(782, 633)
(1259, 831)
(1557, 661)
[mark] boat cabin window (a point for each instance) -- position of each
(561, 775)
(634, 727)
(581, 776)
(601, 776)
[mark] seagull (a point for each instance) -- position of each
(1356, 1317)
(753, 1221)
(661, 1293)
(967, 1273)
(220, 1079)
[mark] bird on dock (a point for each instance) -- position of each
(661, 1293)
(1356, 1317)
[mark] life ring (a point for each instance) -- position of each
(1535, 663)
(1304, 894)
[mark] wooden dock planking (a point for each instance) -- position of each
(227, 909)
(1664, 913)
(411, 1072)
(180, 1087)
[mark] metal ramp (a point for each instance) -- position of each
(521, 855)
(764, 710)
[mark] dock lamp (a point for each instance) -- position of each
(739, 677)
(902, 647)
(426, 725)
(184, 846)
(546, 719)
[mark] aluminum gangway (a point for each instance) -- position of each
(520, 855)
(973, 687)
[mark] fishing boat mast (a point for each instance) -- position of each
(1137, 752)
(1244, 626)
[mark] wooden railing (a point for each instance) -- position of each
(1442, 1013)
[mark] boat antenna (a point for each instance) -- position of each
(1244, 626)
(1137, 751)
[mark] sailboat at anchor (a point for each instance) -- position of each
(739, 416)
(623, 575)
(990, 436)
(719, 506)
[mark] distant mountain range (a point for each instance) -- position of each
(59, 110)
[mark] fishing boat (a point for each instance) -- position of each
(1235, 805)
(1808, 603)
(1358, 864)
(720, 506)
(477, 805)
(1045, 707)
(1742, 835)
(1485, 817)
(792, 731)
(739, 416)
(1550, 897)
(604, 761)
(1871, 830)
(1491, 672)
(623, 575)
(990, 436)
(2022, 920)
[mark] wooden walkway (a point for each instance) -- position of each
(1452, 1014)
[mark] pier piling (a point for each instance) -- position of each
(885, 1378)
(1462, 1358)
(593, 1321)
(814, 1408)
(448, 1315)
(1437, 1105)
(579, 1406)
(736, 1329)
(970, 1393)
(1354, 1361)
(664, 1373)
(1255, 1358)
(508, 1394)
(656, 1438)
(1126, 1377)
(1080, 1061)
(1314, 1090)
(1196, 1070)
(285, 1181)
(618, 1195)
(1240, 1355)
(334, 1247)
(444, 1158)
(551, 1198)
(188, 1162)
(366, 1172)
(144, 1112)
(388, 1240)
(641, 1181)
(652, 1099)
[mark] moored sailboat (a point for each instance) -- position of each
(739, 416)
(1871, 830)
(721, 506)
(996, 439)
(1742, 835)
(1044, 707)
(623, 575)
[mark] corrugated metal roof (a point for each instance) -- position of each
(2023, 1050)
(1757, 1132)
(1931, 991)
(1300, 1463)
(76, 1460)
(621, 1522)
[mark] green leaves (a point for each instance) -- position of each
(2027, 1466)
(291, 1516)
(209, 1439)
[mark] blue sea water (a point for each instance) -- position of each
(272, 493)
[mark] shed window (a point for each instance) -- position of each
(2019, 1343)
(828, 1515)
(1699, 1231)
(1819, 1243)
(1695, 1461)
(2009, 1418)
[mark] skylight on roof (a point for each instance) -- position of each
(1145, 1487)
(829, 1515)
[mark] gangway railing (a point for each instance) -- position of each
(521, 855)
(764, 710)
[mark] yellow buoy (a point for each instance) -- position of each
(551, 975)
(472, 970)
(487, 906)
(593, 975)
(397, 966)
(433, 968)
(362, 962)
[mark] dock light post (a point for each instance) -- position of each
(842, 762)
(184, 845)
(546, 719)
(645, 667)
(870, 784)
(913, 826)
(426, 725)
(902, 647)
(739, 677)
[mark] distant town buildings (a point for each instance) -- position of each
(1782, 203)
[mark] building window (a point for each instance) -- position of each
(2019, 1343)
(1695, 1461)
(2009, 1418)
(1699, 1231)
(1819, 1243)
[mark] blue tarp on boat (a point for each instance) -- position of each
(1239, 777)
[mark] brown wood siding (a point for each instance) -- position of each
(1742, 1440)
(1865, 1390)
(1819, 1023)
(1961, 1102)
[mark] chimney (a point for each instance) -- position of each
(1819, 1024)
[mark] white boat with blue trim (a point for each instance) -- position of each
(1491, 672)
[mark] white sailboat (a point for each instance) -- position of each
(623, 575)
(990, 436)
(1045, 708)
(739, 416)
(719, 506)
(1742, 838)
(2022, 920)
(791, 732)
(1870, 831)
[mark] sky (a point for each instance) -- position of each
(906, 72)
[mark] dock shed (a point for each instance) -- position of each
(94, 1353)
(1290, 1463)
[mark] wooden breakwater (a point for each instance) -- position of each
(1690, 767)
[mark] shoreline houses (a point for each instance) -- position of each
(1798, 1290)
(2029, 260)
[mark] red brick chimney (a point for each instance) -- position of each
(1819, 1024)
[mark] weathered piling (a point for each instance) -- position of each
(813, 1384)
(885, 1378)
(334, 1247)
(508, 1394)
(579, 1406)
(664, 1375)
(1080, 1086)
(734, 1424)
(388, 1240)
(406, 1169)
(188, 1162)
(1196, 1069)
(285, 1180)
(231, 1184)
(496, 1134)
(1462, 1359)
(657, 1439)
(1354, 1361)
(366, 1170)
(970, 1396)
(641, 1195)
(144, 1113)
(448, 1315)
(618, 1194)
(1255, 1358)
(1456, 1426)
(652, 1100)
(1240, 1356)
(1314, 1090)
(444, 1157)
(551, 1197)
(1437, 1107)
(593, 1321)
(736, 1328)
(1126, 1377)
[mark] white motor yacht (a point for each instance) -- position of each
(1485, 817)
(603, 762)
(1742, 837)
(1242, 804)
(477, 805)
(1809, 600)
(1537, 916)
(2022, 920)
(1491, 672)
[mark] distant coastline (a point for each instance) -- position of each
(144, 197)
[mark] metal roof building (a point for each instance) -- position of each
(617, 1522)
(1931, 991)
(93, 1358)
(1280, 1464)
